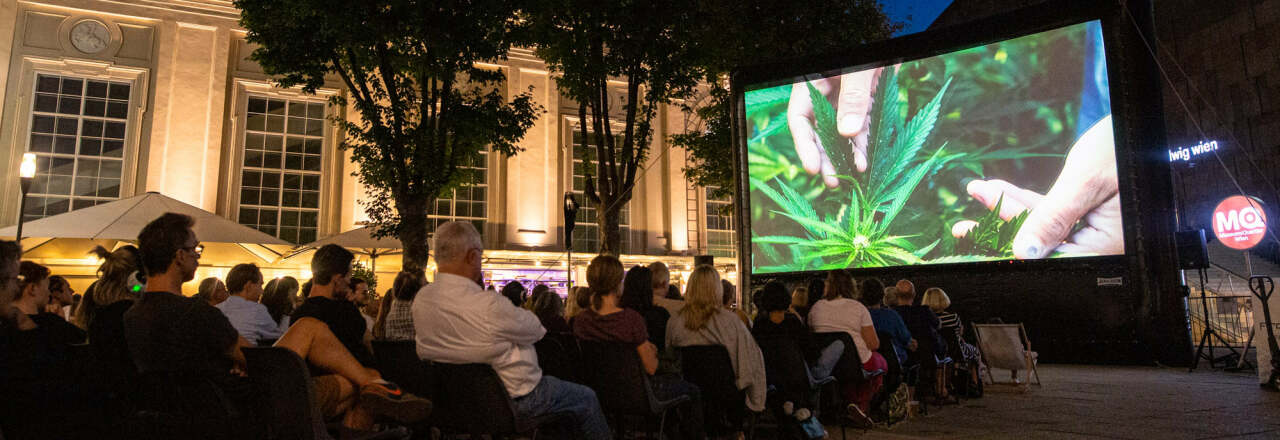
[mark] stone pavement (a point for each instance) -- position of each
(1092, 402)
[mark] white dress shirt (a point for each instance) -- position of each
(251, 319)
(456, 321)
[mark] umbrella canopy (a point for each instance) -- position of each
(123, 219)
(359, 241)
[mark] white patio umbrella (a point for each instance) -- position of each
(121, 220)
(359, 241)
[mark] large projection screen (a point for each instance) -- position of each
(997, 152)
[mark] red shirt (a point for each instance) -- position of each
(625, 326)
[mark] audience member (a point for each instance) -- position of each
(950, 326)
(303, 294)
(327, 301)
(549, 308)
(815, 288)
(280, 298)
(43, 391)
(456, 321)
(33, 299)
(921, 321)
(729, 298)
(638, 295)
(838, 311)
(665, 295)
(182, 337)
(212, 290)
(704, 321)
(886, 320)
(608, 321)
(514, 291)
(359, 295)
(890, 297)
(397, 324)
(251, 319)
(800, 301)
(579, 299)
(61, 297)
(775, 320)
(117, 289)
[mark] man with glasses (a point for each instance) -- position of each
(181, 338)
(456, 321)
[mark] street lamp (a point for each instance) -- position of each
(26, 172)
(570, 218)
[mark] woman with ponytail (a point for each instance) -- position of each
(608, 321)
(119, 285)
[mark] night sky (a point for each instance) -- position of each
(921, 12)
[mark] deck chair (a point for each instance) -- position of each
(1006, 346)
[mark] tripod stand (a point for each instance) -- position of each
(1209, 332)
(1262, 287)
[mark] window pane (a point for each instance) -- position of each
(46, 103)
(117, 109)
(119, 91)
(96, 89)
(47, 84)
(278, 138)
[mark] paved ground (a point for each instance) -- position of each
(1091, 402)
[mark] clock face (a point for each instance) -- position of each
(90, 36)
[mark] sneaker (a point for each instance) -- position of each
(858, 417)
(388, 400)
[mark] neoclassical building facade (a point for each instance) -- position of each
(119, 98)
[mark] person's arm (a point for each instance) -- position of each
(265, 326)
(648, 356)
(515, 324)
(239, 366)
(869, 336)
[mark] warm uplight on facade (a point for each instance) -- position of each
(28, 168)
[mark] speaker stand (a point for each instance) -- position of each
(1209, 332)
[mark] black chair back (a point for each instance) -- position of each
(289, 409)
(849, 368)
(470, 398)
(398, 362)
(559, 355)
(709, 367)
(785, 367)
(615, 372)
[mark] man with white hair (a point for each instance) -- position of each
(456, 321)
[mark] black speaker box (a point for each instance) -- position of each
(1192, 251)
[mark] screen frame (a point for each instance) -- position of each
(934, 42)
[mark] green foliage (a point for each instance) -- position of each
(859, 235)
(648, 44)
(358, 270)
(992, 236)
(424, 109)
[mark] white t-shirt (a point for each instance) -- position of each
(842, 315)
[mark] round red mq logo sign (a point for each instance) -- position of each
(1239, 222)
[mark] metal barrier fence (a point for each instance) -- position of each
(1230, 306)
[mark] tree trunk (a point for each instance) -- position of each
(413, 233)
(610, 231)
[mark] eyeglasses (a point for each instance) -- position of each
(198, 249)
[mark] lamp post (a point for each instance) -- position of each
(570, 219)
(26, 172)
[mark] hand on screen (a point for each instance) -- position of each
(852, 101)
(1087, 188)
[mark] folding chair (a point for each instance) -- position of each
(615, 372)
(1006, 346)
(471, 399)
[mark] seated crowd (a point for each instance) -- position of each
(133, 344)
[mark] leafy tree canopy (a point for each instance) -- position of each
(424, 108)
(649, 46)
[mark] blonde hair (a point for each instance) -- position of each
(936, 299)
(800, 297)
(702, 297)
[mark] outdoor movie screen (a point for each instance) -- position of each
(996, 152)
